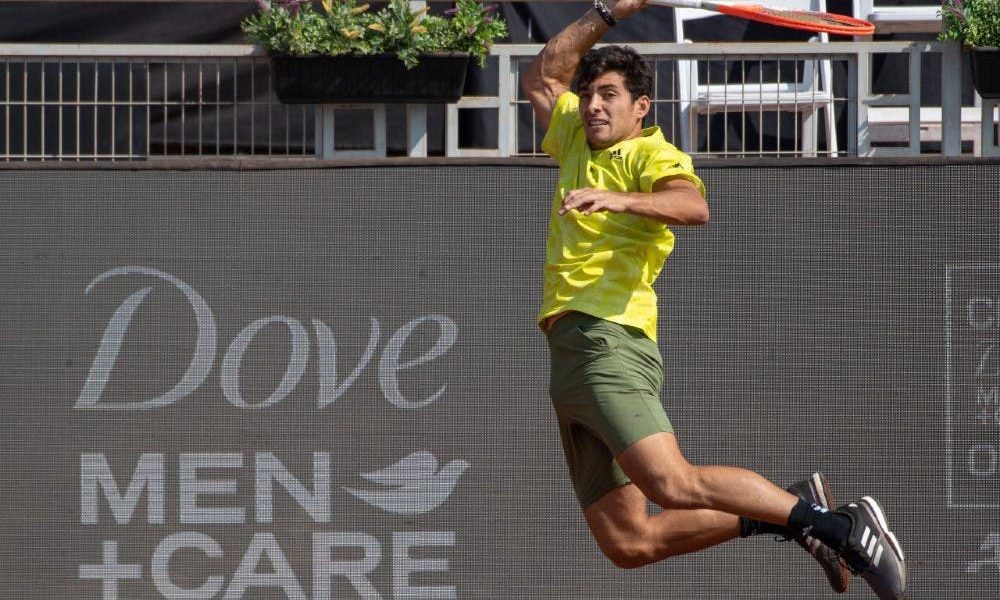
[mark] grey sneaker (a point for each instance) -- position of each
(872, 551)
(816, 490)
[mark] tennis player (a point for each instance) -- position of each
(620, 187)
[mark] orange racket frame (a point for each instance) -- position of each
(806, 20)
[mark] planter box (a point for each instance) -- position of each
(377, 78)
(986, 71)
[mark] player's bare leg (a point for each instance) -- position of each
(657, 466)
(631, 537)
(701, 505)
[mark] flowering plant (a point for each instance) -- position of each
(974, 23)
(296, 27)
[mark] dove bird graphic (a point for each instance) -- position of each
(412, 486)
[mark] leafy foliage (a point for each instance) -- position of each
(343, 27)
(972, 22)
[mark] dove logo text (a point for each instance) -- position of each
(203, 358)
(411, 486)
(333, 574)
(414, 485)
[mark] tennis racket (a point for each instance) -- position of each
(806, 20)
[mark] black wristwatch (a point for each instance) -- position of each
(605, 13)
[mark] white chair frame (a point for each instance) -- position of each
(812, 91)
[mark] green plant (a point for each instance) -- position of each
(343, 27)
(972, 22)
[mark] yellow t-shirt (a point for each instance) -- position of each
(604, 264)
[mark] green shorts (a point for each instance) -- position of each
(605, 386)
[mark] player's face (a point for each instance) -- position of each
(608, 111)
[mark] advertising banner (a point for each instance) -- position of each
(328, 383)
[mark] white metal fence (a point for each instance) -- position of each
(142, 102)
(119, 102)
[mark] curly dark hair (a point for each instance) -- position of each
(622, 59)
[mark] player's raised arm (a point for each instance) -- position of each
(551, 73)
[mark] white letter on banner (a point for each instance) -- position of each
(403, 565)
(980, 313)
(317, 503)
(356, 571)
(246, 575)
(328, 388)
(389, 365)
(161, 565)
(114, 334)
(191, 487)
(983, 460)
(230, 371)
(148, 474)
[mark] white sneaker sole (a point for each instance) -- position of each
(819, 490)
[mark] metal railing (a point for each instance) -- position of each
(143, 102)
(127, 102)
(745, 102)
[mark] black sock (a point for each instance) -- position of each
(830, 528)
(749, 527)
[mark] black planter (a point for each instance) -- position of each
(986, 71)
(377, 78)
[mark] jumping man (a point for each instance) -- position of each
(620, 187)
